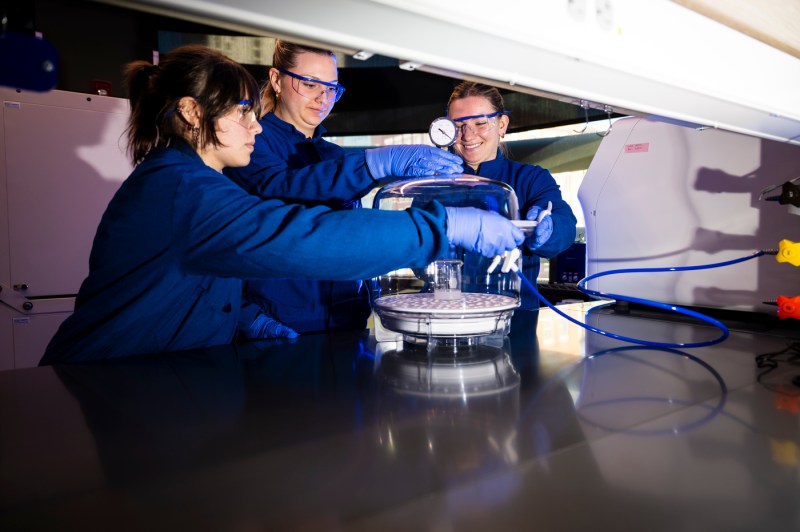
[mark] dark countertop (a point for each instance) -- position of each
(551, 428)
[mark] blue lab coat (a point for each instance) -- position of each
(533, 185)
(288, 165)
(177, 237)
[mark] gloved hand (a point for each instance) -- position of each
(544, 230)
(486, 232)
(411, 160)
(266, 327)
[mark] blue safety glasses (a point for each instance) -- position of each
(477, 124)
(313, 88)
(245, 114)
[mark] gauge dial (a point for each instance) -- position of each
(443, 132)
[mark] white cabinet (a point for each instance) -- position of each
(62, 157)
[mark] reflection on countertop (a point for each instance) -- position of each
(550, 425)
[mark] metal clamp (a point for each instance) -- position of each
(15, 300)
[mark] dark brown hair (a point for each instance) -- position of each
(214, 80)
(285, 57)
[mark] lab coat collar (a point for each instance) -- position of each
(187, 149)
(274, 121)
(490, 169)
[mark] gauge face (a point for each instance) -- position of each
(443, 132)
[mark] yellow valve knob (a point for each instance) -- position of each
(788, 251)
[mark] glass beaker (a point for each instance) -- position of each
(446, 279)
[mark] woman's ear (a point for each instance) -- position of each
(274, 77)
(503, 125)
(190, 110)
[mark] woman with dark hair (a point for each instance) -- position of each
(482, 119)
(177, 237)
(293, 162)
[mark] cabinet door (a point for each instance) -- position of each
(64, 159)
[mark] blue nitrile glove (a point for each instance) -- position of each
(412, 161)
(544, 230)
(486, 232)
(265, 327)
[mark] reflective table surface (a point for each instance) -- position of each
(551, 428)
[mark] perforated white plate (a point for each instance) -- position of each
(428, 303)
(424, 315)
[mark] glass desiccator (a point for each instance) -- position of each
(459, 298)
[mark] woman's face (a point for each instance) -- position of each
(478, 138)
(305, 111)
(236, 132)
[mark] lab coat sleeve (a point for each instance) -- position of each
(536, 186)
(269, 175)
(222, 230)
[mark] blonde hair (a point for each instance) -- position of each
(285, 57)
(466, 89)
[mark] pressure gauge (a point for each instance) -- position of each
(443, 132)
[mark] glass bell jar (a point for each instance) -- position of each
(459, 298)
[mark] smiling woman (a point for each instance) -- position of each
(482, 119)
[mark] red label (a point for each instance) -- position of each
(642, 147)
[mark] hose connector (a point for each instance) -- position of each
(788, 251)
(789, 307)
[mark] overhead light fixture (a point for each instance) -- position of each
(409, 65)
(362, 55)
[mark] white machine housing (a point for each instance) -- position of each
(62, 157)
(662, 195)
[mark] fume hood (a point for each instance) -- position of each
(651, 59)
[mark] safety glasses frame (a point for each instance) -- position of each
(339, 90)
